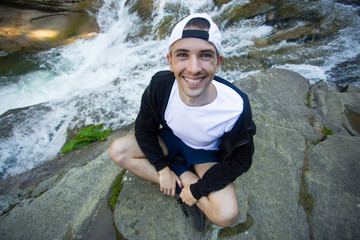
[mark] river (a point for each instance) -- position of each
(100, 80)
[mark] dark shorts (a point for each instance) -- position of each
(176, 147)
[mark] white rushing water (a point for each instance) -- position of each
(101, 80)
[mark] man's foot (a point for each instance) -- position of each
(198, 215)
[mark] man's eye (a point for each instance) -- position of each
(181, 55)
(206, 55)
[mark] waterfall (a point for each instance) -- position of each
(100, 80)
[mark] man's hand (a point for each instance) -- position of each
(187, 197)
(168, 180)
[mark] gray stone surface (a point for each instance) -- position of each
(334, 182)
(61, 199)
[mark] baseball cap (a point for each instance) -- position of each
(213, 35)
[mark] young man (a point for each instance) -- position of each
(193, 133)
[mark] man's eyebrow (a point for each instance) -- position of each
(181, 50)
(202, 51)
(208, 51)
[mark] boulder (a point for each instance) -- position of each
(269, 193)
(63, 198)
(32, 29)
(333, 179)
(293, 163)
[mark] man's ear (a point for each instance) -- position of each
(219, 61)
(168, 56)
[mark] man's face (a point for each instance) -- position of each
(194, 62)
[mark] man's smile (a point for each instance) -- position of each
(193, 82)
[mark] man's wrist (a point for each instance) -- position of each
(164, 170)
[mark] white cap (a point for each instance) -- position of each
(213, 36)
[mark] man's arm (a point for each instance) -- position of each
(221, 174)
(147, 126)
(146, 133)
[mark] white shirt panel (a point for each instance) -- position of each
(201, 127)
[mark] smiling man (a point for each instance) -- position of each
(194, 131)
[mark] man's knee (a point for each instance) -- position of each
(118, 152)
(226, 217)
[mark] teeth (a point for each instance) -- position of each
(193, 81)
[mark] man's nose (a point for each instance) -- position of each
(193, 65)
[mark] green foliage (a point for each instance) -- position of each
(324, 132)
(308, 99)
(116, 190)
(86, 136)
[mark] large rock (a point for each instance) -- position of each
(36, 28)
(334, 182)
(269, 192)
(63, 199)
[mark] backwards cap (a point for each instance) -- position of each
(213, 35)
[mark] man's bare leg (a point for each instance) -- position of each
(220, 207)
(126, 153)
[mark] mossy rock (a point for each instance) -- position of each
(246, 11)
(144, 8)
(219, 3)
(175, 12)
(242, 64)
(55, 5)
(165, 27)
(284, 14)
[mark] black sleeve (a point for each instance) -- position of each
(146, 132)
(221, 174)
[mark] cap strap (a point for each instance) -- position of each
(202, 34)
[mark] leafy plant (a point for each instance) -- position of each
(86, 136)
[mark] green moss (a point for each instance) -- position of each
(237, 229)
(305, 197)
(116, 190)
(86, 136)
(325, 132)
(308, 99)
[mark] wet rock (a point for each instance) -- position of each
(144, 8)
(349, 2)
(242, 64)
(269, 193)
(53, 5)
(337, 110)
(250, 10)
(219, 3)
(285, 16)
(346, 72)
(61, 198)
(34, 30)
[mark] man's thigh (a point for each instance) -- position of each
(129, 146)
(224, 198)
